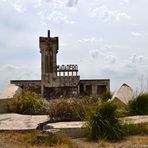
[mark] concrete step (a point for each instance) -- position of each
(72, 129)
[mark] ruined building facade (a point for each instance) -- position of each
(60, 80)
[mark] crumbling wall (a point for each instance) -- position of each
(94, 87)
(28, 85)
(62, 81)
(58, 92)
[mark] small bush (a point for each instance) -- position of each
(66, 110)
(91, 100)
(104, 123)
(89, 104)
(139, 105)
(28, 103)
(106, 96)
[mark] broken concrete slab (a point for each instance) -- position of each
(7, 95)
(136, 119)
(10, 91)
(14, 121)
(123, 95)
(73, 129)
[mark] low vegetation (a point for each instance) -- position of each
(103, 117)
(32, 139)
(28, 103)
(106, 96)
(104, 123)
(73, 109)
(13, 139)
(139, 105)
(66, 110)
(135, 129)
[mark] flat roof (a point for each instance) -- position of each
(94, 79)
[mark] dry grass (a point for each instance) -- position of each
(130, 142)
(139, 140)
(24, 139)
(12, 139)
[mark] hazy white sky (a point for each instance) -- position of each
(106, 38)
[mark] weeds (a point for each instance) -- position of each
(31, 139)
(139, 105)
(135, 129)
(104, 123)
(66, 110)
(28, 103)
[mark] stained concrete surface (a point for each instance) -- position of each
(123, 95)
(137, 119)
(10, 91)
(14, 121)
(20, 122)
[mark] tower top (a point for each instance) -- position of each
(48, 35)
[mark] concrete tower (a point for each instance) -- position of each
(48, 49)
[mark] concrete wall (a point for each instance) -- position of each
(28, 85)
(62, 81)
(94, 87)
(58, 92)
(65, 86)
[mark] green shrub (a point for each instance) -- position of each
(107, 95)
(89, 104)
(104, 123)
(28, 103)
(91, 100)
(139, 105)
(66, 110)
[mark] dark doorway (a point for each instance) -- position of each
(88, 90)
(101, 89)
(81, 89)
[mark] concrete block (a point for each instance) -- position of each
(123, 95)
(10, 91)
(7, 95)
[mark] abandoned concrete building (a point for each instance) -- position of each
(60, 80)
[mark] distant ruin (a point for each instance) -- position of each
(60, 80)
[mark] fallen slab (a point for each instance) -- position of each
(136, 119)
(123, 95)
(7, 95)
(10, 91)
(19, 122)
(73, 129)
(14, 121)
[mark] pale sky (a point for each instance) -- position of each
(106, 38)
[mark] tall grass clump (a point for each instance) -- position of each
(28, 103)
(104, 123)
(135, 129)
(139, 105)
(90, 104)
(66, 110)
